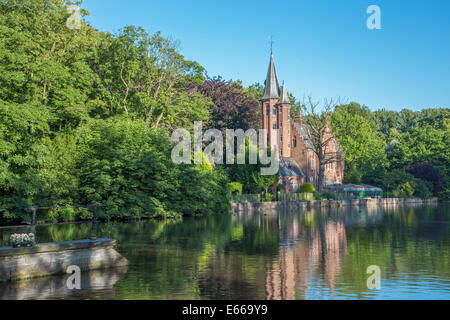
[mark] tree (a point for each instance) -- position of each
(364, 149)
(386, 122)
(320, 136)
(249, 175)
(143, 75)
(427, 172)
(233, 107)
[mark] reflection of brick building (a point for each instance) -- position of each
(298, 163)
(303, 256)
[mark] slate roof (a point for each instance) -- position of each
(272, 88)
(284, 96)
(290, 168)
(303, 132)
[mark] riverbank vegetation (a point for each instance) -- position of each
(86, 117)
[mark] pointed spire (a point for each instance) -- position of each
(284, 95)
(272, 90)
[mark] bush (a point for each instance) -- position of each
(268, 197)
(234, 188)
(405, 190)
(327, 196)
(307, 188)
(444, 195)
(423, 189)
(281, 188)
(429, 173)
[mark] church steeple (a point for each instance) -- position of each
(272, 89)
(284, 95)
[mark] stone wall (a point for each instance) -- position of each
(54, 258)
(317, 204)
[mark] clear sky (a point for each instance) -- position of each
(322, 48)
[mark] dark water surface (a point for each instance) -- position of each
(296, 255)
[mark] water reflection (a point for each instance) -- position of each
(286, 255)
(304, 253)
(56, 287)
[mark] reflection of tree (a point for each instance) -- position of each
(304, 253)
(278, 256)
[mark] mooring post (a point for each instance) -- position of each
(94, 222)
(34, 209)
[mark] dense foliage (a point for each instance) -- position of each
(86, 116)
(406, 153)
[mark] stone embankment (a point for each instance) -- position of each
(317, 204)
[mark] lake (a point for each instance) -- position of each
(296, 255)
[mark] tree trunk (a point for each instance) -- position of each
(321, 177)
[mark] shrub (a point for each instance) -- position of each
(281, 188)
(234, 188)
(327, 196)
(307, 188)
(268, 197)
(405, 190)
(427, 172)
(423, 189)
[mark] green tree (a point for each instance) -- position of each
(364, 150)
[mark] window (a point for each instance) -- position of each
(274, 112)
(311, 162)
(268, 110)
(281, 137)
(295, 141)
(274, 126)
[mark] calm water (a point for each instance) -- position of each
(296, 255)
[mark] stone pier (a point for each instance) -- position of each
(54, 258)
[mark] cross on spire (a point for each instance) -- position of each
(271, 43)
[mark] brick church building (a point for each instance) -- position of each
(298, 163)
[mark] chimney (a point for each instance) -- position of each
(298, 117)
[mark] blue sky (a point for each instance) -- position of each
(322, 48)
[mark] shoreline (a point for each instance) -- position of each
(330, 204)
